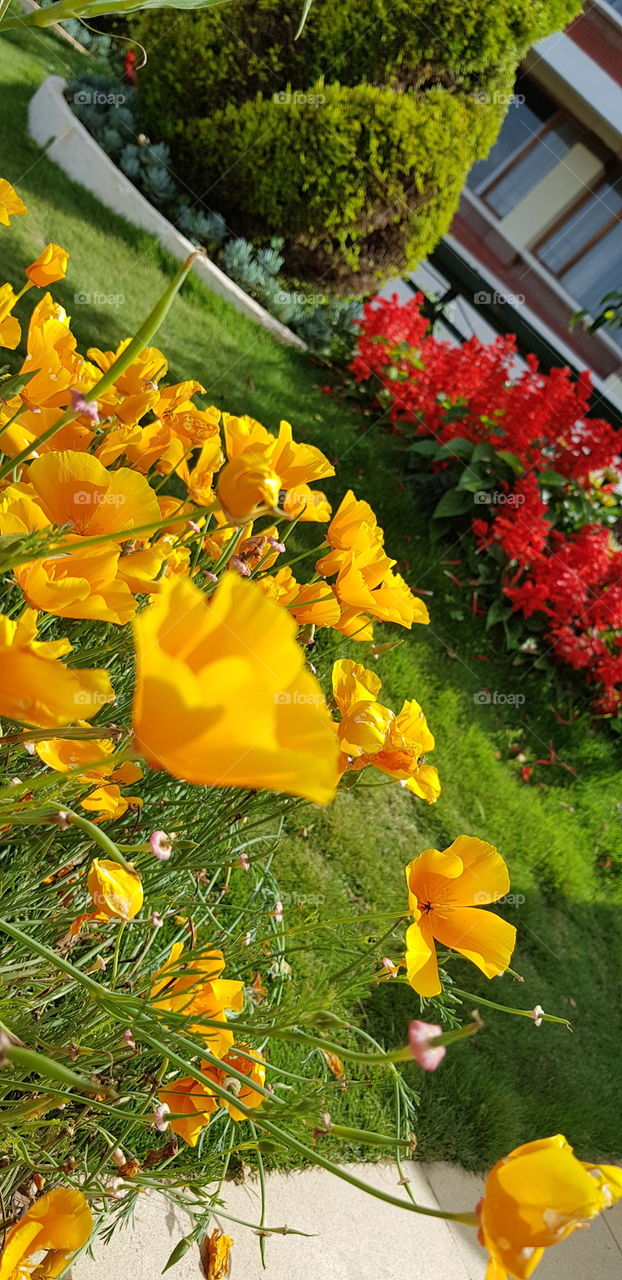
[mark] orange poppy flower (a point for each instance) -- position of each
(196, 989)
(446, 893)
(35, 687)
(10, 203)
(222, 695)
(536, 1197)
(49, 267)
(371, 734)
(59, 1223)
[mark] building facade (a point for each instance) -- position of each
(541, 218)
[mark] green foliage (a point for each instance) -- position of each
(358, 181)
(562, 839)
(353, 142)
(230, 54)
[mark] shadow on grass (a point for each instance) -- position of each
(513, 1081)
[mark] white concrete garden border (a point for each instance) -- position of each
(54, 126)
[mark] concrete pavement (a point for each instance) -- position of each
(352, 1236)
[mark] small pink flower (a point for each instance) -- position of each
(248, 938)
(211, 577)
(537, 1014)
(236, 562)
(390, 967)
(159, 1117)
(420, 1034)
(161, 845)
(278, 912)
(244, 861)
(129, 1039)
(192, 524)
(156, 920)
(278, 546)
(118, 1157)
(86, 408)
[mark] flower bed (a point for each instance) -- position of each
(520, 466)
(155, 637)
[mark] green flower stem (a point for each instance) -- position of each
(504, 1008)
(157, 315)
(96, 834)
(84, 9)
(74, 734)
(289, 1140)
(121, 535)
(29, 1060)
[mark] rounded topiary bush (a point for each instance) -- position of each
(351, 143)
(357, 181)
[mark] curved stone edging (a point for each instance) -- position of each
(53, 125)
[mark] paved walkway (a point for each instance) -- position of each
(353, 1237)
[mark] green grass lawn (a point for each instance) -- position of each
(561, 835)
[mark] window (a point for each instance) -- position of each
(585, 250)
(527, 115)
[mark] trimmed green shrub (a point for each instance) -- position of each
(200, 61)
(358, 182)
(352, 143)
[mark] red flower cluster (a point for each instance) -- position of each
(468, 391)
(540, 423)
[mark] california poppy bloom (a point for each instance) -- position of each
(49, 267)
(215, 1255)
(36, 688)
(59, 1223)
(222, 696)
(10, 328)
(247, 486)
(10, 203)
(252, 1066)
(446, 892)
(115, 892)
(74, 489)
(296, 464)
(371, 734)
(196, 989)
(537, 1196)
(191, 1105)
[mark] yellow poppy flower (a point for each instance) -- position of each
(295, 464)
(10, 203)
(198, 989)
(446, 892)
(537, 1196)
(59, 1223)
(311, 604)
(372, 734)
(246, 487)
(35, 687)
(191, 1105)
(353, 528)
(222, 697)
(74, 489)
(109, 801)
(10, 328)
(49, 267)
(57, 370)
(254, 1067)
(115, 892)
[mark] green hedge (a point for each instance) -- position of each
(199, 61)
(366, 181)
(359, 182)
